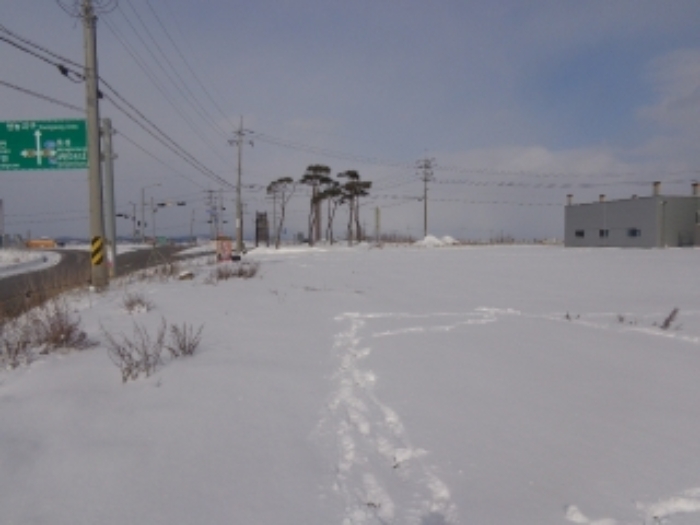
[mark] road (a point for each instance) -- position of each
(19, 292)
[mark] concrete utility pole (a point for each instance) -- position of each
(426, 166)
(99, 275)
(2, 225)
(377, 225)
(143, 210)
(153, 221)
(108, 157)
(238, 141)
(133, 220)
(192, 228)
(275, 226)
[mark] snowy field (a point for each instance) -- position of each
(403, 385)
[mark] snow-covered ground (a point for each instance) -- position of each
(403, 385)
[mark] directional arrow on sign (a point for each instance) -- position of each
(37, 134)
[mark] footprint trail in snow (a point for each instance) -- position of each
(380, 475)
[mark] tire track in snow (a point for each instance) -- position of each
(381, 476)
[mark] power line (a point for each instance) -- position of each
(186, 62)
(172, 81)
(177, 172)
(174, 46)
(158, 134)
(43, 97)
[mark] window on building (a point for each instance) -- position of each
(579, 233)
(604, 234)
(634, 232)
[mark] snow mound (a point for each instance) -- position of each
(449, 241)
(430, 241)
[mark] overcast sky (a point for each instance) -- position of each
(519, 103)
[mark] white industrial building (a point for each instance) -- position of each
(655, 221)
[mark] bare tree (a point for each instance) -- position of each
(284, 189)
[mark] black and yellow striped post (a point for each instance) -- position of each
(97, 251)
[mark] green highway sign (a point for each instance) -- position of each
(43, 145)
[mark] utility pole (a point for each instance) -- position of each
(238, 141)
(153, 221)
(192, 228)
(213, 219)
(99, 276)
(275, 226)
(377, 225)
(143, 215)
(143, 210)
(133, 220)
(220, 214)
(426, 167)
(110, 222)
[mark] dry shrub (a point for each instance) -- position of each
(135, 302)
(162, 272)
(139, 355)
(44, 330)
(15, 343)
(184, 340)
(669, 319)
(242, 270)
(143, 354)
(247, 270)
(56, 328)
(169, 270)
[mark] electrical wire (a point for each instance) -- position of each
(173, 82)
(42, 97)
(155, 131)
(186, 62)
